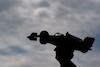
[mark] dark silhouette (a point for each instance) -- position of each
(65, 45)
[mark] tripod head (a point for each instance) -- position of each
(45, 35)
(58, 39)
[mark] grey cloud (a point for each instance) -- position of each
(9, 22)
(61, 12)
(12, 50)
(44, 4)
(97, 11)
(6, 4)
(4, 52)
(16, 49)
(43, 14)
(9, 19)
(9, 28)
(79, 4)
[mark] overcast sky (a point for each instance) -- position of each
(19, 18)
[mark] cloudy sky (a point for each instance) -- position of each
(19, 18)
